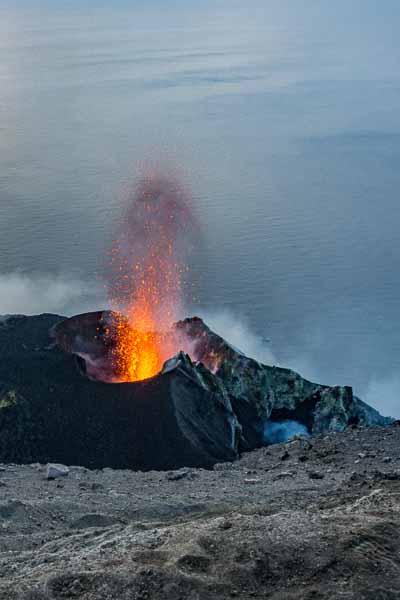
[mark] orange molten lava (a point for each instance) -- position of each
(138, 355)
(149, 280)
(140, 351)
(142, 343)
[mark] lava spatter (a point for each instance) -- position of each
(149, 274)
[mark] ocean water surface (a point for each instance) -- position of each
(284, 119)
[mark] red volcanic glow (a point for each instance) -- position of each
(149, 276)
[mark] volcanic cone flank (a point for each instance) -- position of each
(53, 407)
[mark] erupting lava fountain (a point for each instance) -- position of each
(149, 276)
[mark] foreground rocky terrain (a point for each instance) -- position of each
(314, 518)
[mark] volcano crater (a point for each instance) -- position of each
(60, 398)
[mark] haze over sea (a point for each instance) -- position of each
(283, 116)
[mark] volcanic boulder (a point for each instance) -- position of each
(53, 408)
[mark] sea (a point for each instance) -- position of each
(281, 117)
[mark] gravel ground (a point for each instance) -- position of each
(312, 518)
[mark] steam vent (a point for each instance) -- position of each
(61, 398)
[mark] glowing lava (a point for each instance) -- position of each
(149, 277)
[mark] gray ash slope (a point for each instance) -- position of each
(188, 415)
(314, 518)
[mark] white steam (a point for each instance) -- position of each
(237, 331)
(23, 294)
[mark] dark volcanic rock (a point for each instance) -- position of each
(85, 336)
(260, 393)
(50, 411)
(191, 414)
